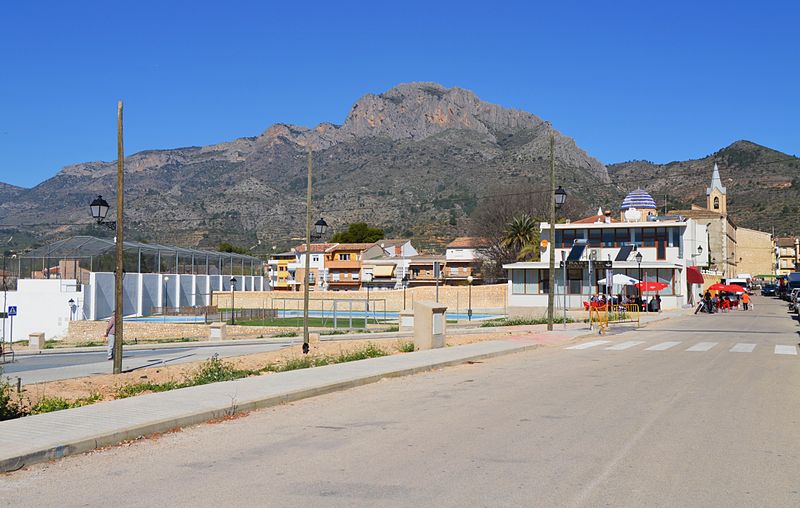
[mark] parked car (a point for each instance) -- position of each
(769, 290)
(793, 299)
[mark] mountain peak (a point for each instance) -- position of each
(419, 110)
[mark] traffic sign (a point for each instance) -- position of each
(12, 310)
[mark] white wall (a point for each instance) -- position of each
(42, 306)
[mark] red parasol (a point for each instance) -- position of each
(733, 288)
(717, 287)
(651, 286)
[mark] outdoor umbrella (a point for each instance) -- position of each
(651, 286)
(620, 279)
(717, 287)
(733, 288)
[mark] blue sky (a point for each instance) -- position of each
(627, 79)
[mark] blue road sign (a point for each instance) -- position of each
(12, 310)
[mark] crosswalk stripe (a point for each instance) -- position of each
(587, 345)
(625, 345)
(702, 346)
(743, 347)
(785, 350)
(662, 346)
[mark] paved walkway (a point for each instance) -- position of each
(53, 435)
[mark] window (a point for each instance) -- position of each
(355, 276)
(544, 281)
(608, 237)
(595, 237)
(574, 281)
(315, 258)
(453, 271)
(335, 277)
(526, 282)
(716, 203)
(622, 236)
(344, 257)
(569, 238)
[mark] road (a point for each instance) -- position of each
(56, 366)
(694, 411)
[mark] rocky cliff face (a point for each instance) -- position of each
(413, 159)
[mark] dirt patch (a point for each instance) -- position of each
(107, 385)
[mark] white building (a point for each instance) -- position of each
(594, 248)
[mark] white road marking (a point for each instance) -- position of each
(587, 345)
(662, 346)
(785, 350)
(702, 346)
(743, 347)
(625, 345)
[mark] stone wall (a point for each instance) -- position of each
(86, 331)
(490, 297)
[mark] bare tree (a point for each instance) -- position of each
(493, 215)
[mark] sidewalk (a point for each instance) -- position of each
(54, 435)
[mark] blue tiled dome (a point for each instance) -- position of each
(638, 199)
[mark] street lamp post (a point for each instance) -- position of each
(367, 281)
(639, 262)
(557, 199)
(405, 285)
(99, 209)
(470, 278)
(71, 304)
(233, 300)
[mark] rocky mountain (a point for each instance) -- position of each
(8, 192)
(763, 185)
(414, 160)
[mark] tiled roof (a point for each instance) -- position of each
(785, 241)
(351, 246)
(469, 242)
(315, 247)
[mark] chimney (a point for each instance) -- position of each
(608, 216)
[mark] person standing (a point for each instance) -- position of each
(109, 335)
(745, 301)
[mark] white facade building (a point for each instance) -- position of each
(670, 247)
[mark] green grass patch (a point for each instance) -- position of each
(50, 404)
(308, 361)
(523, 321)
(406, 346)
(317, 322)
(285, 334)
(212, 370)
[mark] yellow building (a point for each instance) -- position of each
(755, 251)
(787, 249)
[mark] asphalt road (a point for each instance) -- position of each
(694, 411)
(56, 366)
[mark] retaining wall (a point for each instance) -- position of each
(485, 297)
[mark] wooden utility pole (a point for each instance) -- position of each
(308, 256)
(552, 195)
(118, 308)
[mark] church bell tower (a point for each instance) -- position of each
(716, 195)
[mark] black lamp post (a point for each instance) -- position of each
(470, 278)
(233, 300)
(639, 261)
(99, 209)
(560, 197)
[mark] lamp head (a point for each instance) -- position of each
(560, 197)
(99, 208)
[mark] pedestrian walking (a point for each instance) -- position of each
(109, 335)
(745, 301)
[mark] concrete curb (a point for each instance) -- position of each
(191, 406)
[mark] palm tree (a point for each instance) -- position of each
(522, 236)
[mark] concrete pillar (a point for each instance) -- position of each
(430, 325)
(36, 341)
(217, 332)
(406, 323)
